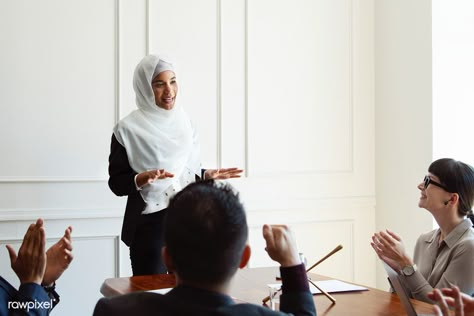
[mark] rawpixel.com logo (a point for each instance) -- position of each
(30, 305)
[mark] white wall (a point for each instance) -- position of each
(453, 69)
(285, 92)
(403, 117)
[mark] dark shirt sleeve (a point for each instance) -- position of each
(294, 278)
(296, 297)
(121, 175)
(31, 299)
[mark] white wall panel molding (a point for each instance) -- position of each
(51, 240)
(233, 83)
(59, 120)
(315, 239)
(219, 83)
(117, 62)
(287, 90)
(147, 28)
(58, 196)
(319, 226)
(133, 18)
(19, 180)
(21, 214)
(279, 204)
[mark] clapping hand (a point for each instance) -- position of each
(59, 257)
(30, 263)
(463, 304)
(390, 249)
(224, 173)
(34, 264)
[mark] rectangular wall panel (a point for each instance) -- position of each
(319, 226)
(58, 95)
(299, 86)
(315, 240)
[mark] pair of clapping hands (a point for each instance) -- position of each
(463, 304)
(35, 264)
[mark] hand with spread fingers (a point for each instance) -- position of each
(30, 263)
(451, 297)
(281, 245)
(389, 248)
(224, 173)
(151, 176)
(59, 256)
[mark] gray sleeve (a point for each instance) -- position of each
(458, 272)
(418, 286)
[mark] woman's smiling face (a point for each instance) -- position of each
(433, 193)
(165, 89)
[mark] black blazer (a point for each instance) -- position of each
(184, 300)
(122, 183)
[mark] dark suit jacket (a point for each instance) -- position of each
(122, 182)
(185, 300)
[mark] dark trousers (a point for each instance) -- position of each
(145, 250)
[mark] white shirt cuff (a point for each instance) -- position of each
(136, 185)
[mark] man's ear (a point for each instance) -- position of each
(168, 261)
(245, 257)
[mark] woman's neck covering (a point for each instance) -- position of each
(155, 138)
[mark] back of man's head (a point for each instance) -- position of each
(205, 232)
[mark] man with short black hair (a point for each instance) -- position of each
(205, 237)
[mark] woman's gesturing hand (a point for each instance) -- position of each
(224, 173)
(151, 176)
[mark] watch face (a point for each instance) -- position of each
(408, 270)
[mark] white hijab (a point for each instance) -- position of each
(155, 138)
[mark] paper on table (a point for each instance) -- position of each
(161, 291)
(331, 286)
(334, 286)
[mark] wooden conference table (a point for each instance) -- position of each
(250, 285)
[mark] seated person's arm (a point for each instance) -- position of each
(29, 265)
(281, 247)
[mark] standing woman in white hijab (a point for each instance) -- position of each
(154, 153)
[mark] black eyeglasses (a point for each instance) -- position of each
(427, 181)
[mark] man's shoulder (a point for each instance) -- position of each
(138, 303)
(146, 303)
(247, 309)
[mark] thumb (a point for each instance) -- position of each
(11, 253)
(268, 235)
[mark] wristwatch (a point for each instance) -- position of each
(409, 270)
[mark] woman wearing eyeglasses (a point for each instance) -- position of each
(445, 256)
